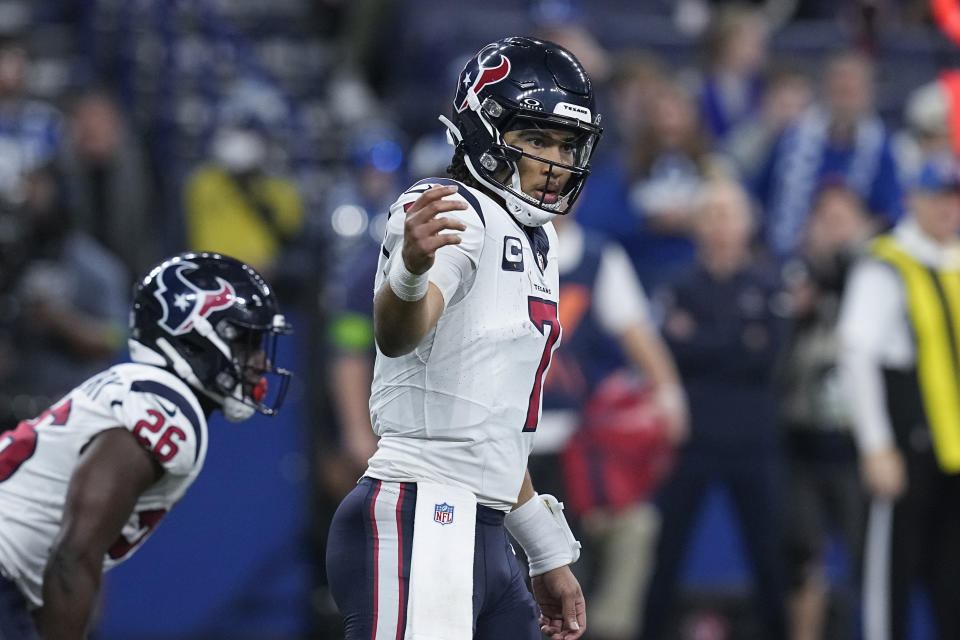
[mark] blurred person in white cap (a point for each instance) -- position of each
(926, 131)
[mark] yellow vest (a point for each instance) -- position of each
(933, 301)
(221, 217)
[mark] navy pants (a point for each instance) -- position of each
(369, 536)
(755, 486)
(16, 623)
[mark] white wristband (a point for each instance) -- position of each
(409, 287)
(542, 530)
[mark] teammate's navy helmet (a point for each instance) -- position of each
(523, 83)
(205, 316)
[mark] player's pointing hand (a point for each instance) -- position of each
(424, 227)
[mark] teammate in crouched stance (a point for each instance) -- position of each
(85, 483)
(466, 322)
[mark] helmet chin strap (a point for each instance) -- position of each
(143, 354)
(524, 212)
(454, 137)
(180, 366)
(232, 406)
(236, 410)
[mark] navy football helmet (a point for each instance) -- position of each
(214, 322)
(518, 84)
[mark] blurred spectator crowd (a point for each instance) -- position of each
(750, 152)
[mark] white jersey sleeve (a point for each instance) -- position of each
(454, 267)
(873, 333)
(620, 301)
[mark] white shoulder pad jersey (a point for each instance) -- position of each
(38, 457)
(462, 408)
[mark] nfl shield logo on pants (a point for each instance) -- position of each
(443, 513)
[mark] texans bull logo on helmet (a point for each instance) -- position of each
(481, 72)
(183, 301)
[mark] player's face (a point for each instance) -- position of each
(249, 354)
(723, 221)
(541, 180)
(837, 222)
(849, 88)
(937, 213)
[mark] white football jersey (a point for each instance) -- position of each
(463, 407)
(39, 456)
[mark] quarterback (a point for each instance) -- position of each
(83, 484)
(465, 317)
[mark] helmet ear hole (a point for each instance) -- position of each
(226, 330)
(492, 108)
(226, 381)
(190, 346)
(489, 163)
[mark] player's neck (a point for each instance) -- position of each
(209, 405)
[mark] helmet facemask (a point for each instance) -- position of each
(252, 383)
(494, 163)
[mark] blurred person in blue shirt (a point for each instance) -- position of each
(787, 93)
(723, 324)
(31, 130)
(731, 91)
(647, 202)
(841, 136)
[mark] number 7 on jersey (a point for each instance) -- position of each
(543, 315)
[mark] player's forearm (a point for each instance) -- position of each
(862, 376)
(70, 585)
(398, 325)
(648, 351)
(88, 336)
(351, 383)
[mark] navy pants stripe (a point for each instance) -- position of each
(16, 623)
(368, 566)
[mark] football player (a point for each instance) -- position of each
(83, 484)
(465, 317)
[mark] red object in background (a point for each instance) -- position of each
(947, 15)
(706, 625)
(621, 451)
(951, 82)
